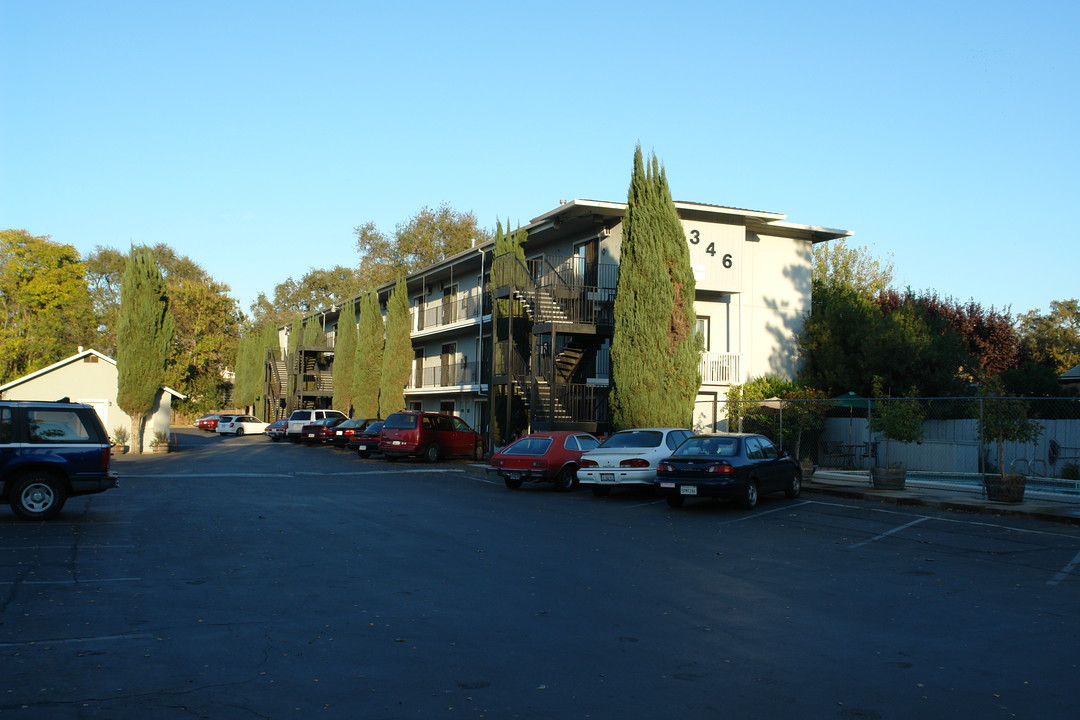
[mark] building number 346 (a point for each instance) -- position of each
(695, 239)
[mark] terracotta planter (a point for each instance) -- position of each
(118, 449)
(159, 448)
(1008, 489)
(888, 478)
(807, 469)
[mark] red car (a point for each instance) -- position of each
(319, 431)
(543, 457)
(429, 435)
(208, 422)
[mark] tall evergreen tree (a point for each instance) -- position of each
(398, 353)
(368, 358)
(344, 356)
(655, 351)
(144, 334)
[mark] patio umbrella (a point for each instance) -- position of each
(852, 400)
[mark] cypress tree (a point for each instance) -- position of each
(398, 353)
(144, 335)
(655, 351)
(344, 356)
(368, 358)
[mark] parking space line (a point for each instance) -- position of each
(68, 582)
(69, 547)
(887, 533)
(65, 641)
(764, 512)
(1065, 571)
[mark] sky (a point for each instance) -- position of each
(254, 137)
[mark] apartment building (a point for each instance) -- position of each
(527, 346)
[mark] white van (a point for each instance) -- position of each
(300, 418)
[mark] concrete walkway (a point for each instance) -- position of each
(940, 495)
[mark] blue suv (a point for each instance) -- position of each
(50, 451)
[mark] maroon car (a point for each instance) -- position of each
(319, 431)
(543, 457)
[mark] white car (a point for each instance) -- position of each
(629, 457)
(240, 425)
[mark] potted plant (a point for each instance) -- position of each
(160, 443)
(119, 440)
(1004, 419)
(899, 419)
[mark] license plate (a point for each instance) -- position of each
(340, 432)
(607, 477)
(514, 475)
(688, 490)
(399, 442)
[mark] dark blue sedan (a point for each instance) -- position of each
(732, 466)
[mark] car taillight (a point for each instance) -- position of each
(106, 458)
(496, 462)
(664, 467)
(634, 462)
(541, 464)
(589, 463)
(723, 469)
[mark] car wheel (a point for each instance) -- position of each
(601, 490)
(512, 484)
(431, 453)
(795, 488)
(239, 431)
(675, 501)
(566, 479)
(38, 496)
(750, 495)
(478, 452)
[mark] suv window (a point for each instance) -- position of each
(5, 425)
(56, 426)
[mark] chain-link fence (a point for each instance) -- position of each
(951, 441)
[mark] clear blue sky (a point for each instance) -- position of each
(254, 136)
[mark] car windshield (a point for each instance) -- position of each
(529, 446)
(354, 423)
(400, 421)
(712, 446)
(300, 415)
(374, 427)
(635, 439)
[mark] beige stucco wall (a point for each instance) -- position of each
(94, 383)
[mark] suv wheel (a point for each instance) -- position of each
(431, 453)
(38, 496)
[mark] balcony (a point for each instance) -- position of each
(445, 375)
(721, 368)
(465, 308)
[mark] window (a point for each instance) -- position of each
(56, 426)
(703, 330)
(5, 425)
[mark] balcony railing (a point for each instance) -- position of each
(720, 368)
(450, 374)
(440, 312)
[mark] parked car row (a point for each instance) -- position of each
(431, 436)
(676, 462)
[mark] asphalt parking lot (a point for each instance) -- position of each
(240, 578)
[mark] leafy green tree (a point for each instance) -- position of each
(45, 307)
(430, 236)
(144, 335)
(785, 410)
(655, 351)
(1005, 419)
(344, 357)
(313, 333)
(398, 353)
(315, 290)
(1052, 339)
(368, 358)
(208, 321)
(896, 418)
(838, 264)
